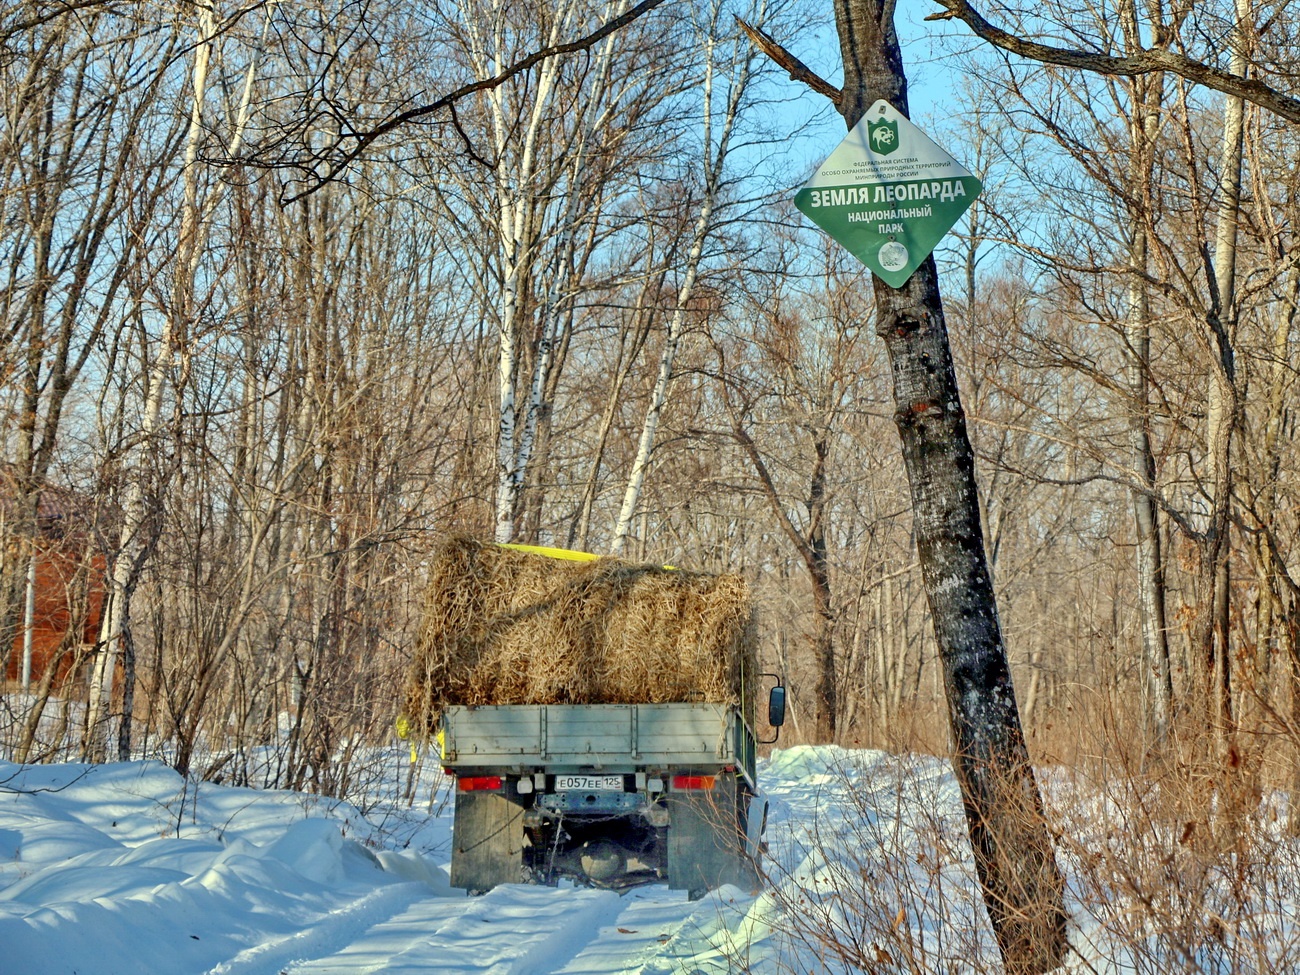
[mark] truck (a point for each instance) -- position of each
(597, 716)
(606, 795)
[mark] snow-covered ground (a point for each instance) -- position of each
(128, 868)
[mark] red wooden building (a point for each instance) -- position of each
(63, 590)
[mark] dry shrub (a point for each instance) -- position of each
(1177, 851)
(1162, 875)
(508, 627)
(875, 875)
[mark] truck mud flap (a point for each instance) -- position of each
(707, 839)
(487, 840)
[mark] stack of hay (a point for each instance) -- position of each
(503, 626)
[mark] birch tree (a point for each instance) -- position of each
(163, 367)
(1144, 127)
(554, 174)
(75, 199)
(1223, 407)
(727, 74)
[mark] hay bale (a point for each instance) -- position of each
(507, 627)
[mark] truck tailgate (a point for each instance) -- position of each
(589, 735)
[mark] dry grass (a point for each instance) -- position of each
(1175, 861)
(508, 627)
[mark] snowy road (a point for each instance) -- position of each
(512, 931)
(125, 869)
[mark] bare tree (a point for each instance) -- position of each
(1187, 267)
(1173, 32)
(801, 365)
(140, 507)
(1013, 851)
(329, 130)
(546, 203)
(728, 66)
(75, 199)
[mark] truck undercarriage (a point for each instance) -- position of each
(610, 851)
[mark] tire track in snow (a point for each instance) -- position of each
(331, 933)
(568, 921)
(511, 930)
(405, 929)
(657, 933)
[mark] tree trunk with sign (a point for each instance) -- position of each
(1023, 889)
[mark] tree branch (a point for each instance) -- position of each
(38, 15)
(365, 139)
(788, 62)
(1147, 62)
(792, 532)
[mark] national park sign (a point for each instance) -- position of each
(888, 194)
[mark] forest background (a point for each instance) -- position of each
(274, 321)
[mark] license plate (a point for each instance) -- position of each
(589, 783)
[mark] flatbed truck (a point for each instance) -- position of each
(609, 795)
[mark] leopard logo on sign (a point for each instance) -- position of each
(883, 135)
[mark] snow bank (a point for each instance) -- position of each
(128, 868)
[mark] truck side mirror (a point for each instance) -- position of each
(776, 706)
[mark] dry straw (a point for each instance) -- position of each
(509, 627)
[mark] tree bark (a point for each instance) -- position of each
(1014, 857)
(1224, 405)
(1157, 676)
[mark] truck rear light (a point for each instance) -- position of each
(683, 783)
(478, 783)
(525, 784)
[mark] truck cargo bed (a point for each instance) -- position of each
(595, 736)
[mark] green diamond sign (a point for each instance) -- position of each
(888, 194)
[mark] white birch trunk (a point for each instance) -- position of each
(629, 346)
(136, 533)
(714, 161)
(515, 227)
(543, 142)
(659, 396)
(1144, 129)
(29, 621)
(564, 273)
(1158, 680)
